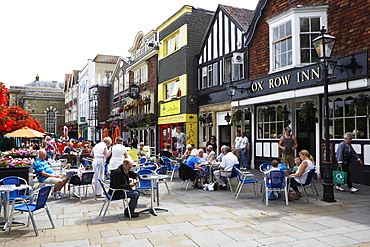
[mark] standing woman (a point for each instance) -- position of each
(301, 175)
(119, 153)
(212, 141)
(100, 153)
(345, 153)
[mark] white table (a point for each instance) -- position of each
(5, 190)
(152, 210)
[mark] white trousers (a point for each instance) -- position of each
(98, 166)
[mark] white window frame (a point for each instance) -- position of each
(172, 43)
(294, 16)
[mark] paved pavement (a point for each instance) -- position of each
(201, 218)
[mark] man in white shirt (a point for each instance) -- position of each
(237, 147)
(227, 163)
(244, 151)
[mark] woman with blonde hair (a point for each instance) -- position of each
(301, 175)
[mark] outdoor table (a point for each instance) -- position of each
(152, 178)
(211, 166)
(5, 190)
(69, 174)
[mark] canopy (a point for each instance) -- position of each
(117, 133)
(25, 132)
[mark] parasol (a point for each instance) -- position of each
(25, 132)
(116, 134)
(106, 133)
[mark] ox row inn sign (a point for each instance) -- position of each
(348, 67)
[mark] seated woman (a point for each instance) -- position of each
(166, 151)
(86, 149)
(68, 148)
(202, 157)
(301, 175)
(193, 163)
(189, 147)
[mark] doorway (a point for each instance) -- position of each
(224, 135)
(306, 134)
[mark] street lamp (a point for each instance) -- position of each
(228, 118)
(231, 90)
(324, 45)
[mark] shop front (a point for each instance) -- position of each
(295, 98)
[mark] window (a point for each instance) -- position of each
(234, 67)
(172, 89)
(347, 117)
(50, 122)
(291, 35)
(270, 122)
(209, 76)
(227, 70)
(115, 86)
(309, 29)
(282, 43)
(172, 44)
(141, 75)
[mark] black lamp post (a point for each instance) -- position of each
(324, 45)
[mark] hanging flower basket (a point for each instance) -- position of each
(308, 111)
(202, 119)
(361, 100)
(236, 117)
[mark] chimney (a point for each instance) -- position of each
(37, 77)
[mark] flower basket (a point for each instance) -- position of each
(308, 111)
(236, 117)
(202, 119)
(360, 103)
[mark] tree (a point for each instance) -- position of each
(14, 117)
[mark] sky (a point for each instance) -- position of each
(53, 38)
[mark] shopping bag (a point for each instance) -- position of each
(339, 176)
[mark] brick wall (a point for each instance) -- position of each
(348, 21)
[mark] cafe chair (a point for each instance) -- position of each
(186, 175)
(71, 158)
(229, 175)
(86, 181)
(172, 165)
(309, 183)
(276, 181)
(109, 198)
(263, 169)
(86, 161)
(17, 194)
(245, 178)
(162, 171)
(142, 160)
(37, 201)
(145, 184)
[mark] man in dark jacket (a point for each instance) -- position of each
(120, 179)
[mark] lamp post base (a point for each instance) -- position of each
(328, 193)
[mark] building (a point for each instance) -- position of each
(180, 39)
(221, 62)
(284, 84)
(71, 107)
(44, 100)
(94, 95)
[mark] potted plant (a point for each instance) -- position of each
(308, 110)
(19, 167)
(236, 117)
(360, 103)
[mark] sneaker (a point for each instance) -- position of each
(339, 188)
(57, 197)
(133, 215)
(222, 187)
(353, 190)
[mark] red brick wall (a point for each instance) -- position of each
(348, 21)
(152, 73)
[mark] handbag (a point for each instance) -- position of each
(339, 176)
(75, 179)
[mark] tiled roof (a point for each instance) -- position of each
(242, 16)
(105, 59)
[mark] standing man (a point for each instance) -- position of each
(120, 179)
(288, 143)
(45, 174)
(180, 140)
(344, 155)
(100, 154)
(228, 161)
(244, 150)
(237, 147)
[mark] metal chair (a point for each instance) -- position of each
(172, 165)
(275, 182)
(41, 195)
(142, 160)
(309, 183)
(109, 198)
(229, 176)
(245, 178)
(86, 181)
(263, 169)
(17, 194)
(162, 171)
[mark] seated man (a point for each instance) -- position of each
(120, 179)
(227, 163)
(45, 174)
(211, 155)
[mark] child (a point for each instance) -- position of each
(297, 162)
(274, 167)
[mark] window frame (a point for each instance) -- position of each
(294, 15)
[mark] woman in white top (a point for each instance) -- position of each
(119, 153)
(100, 153)
(301, 175)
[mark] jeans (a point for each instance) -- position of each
(244, 156)
(50, 155)
(134, 197)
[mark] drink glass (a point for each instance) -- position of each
(68, 167)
